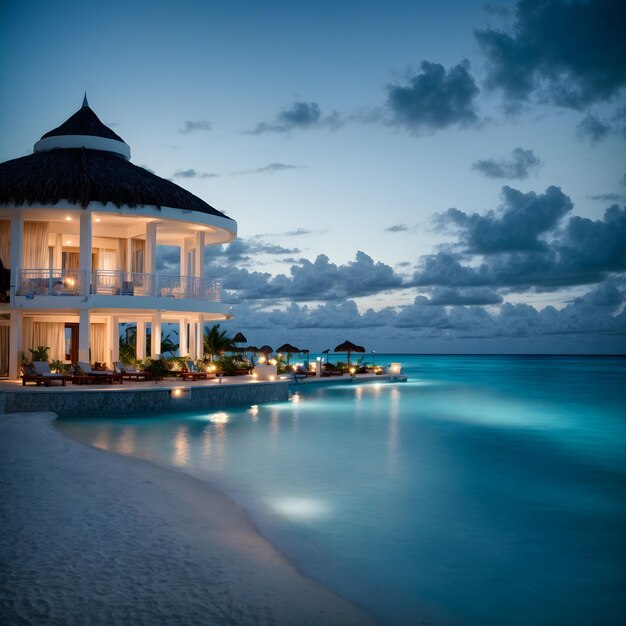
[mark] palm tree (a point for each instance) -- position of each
(216, 341)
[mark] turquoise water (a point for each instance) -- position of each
(486, 490)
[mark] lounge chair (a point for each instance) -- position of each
(91, 375)
(130, 372)
(43, 375)
(193, 373)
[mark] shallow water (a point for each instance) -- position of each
(486, 490)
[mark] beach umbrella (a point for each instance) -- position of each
(239, 338)
(288, 349)
(349, 347)
(266, 350)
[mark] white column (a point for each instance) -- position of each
(83, 333)
(15, 256)
(85, 248)
(15, 344)
(192, 339)
(200, 337)
(200, 254)
(141, 340)
(183, 258)
(150, 261)
(114, 339)
(155, 348)
(183, 349)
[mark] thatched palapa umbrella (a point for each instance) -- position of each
(288, 349)
(349, 347)
(239, 338)
(266, 350)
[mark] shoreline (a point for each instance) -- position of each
(101, 538)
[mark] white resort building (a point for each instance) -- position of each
(79, 230)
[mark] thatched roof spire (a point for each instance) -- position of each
(79, 162)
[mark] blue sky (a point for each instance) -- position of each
(416, 176)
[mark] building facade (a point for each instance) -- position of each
(79, 230)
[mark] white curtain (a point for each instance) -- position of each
(71, 260)
(5, 251)
(57, 253)
(35, 253)
(4, 350)
(50, 334)
(138, 251)
(97, 342)
(121, 255)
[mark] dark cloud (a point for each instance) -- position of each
(446, 296)
(301, 115)
(592, 129)
(571, 54)
(317, 280)
(397, 228)
(607, 197)
(434, 99)
(496, 10)
(191, 173)
(518, 225)
(244, 250)
(581, 252)
(519, 166)
(199, 125)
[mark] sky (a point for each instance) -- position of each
(413, 176)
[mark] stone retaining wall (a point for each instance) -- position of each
(118, 401)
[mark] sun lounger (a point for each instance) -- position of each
(130, 372)
(89, 375)
(42, 375)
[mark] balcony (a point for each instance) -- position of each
(115, 283)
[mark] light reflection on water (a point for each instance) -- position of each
(483, 491)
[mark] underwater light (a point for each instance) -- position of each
(220, 417)
(299, 508)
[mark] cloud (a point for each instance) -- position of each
(434, 99)
(592, 129)
(596, 314)
(524, 246)
(570, 54)
(397, 228)
(496, 10)
(191, 127)
(191, 173)
(272, 168)
(301, 115)
(521, 164)
(607, 197)
(517, 226)
(317, 280)
(445, 296)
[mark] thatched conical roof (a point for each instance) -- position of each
(83, 122)
(68, 170)
(81, 176)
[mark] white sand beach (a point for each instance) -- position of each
(90, 537)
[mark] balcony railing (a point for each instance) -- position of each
(33, 283)
(115, 283)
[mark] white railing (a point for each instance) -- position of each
(115, 283)
(33, 283)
